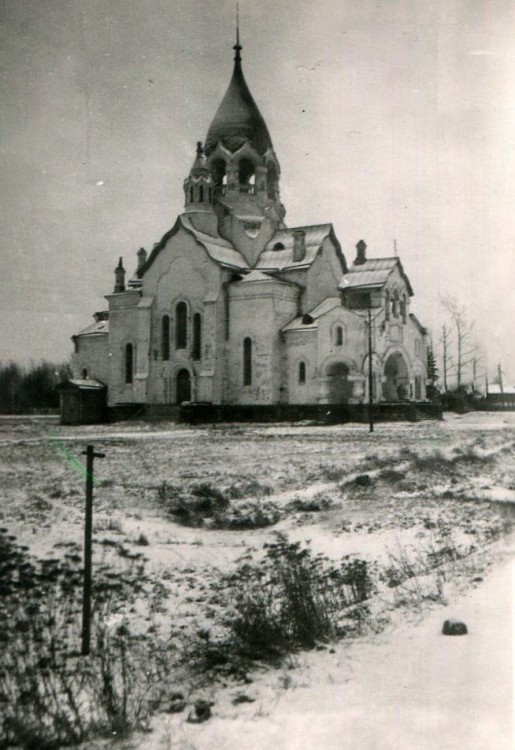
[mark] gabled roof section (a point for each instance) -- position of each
(217, 248)
(373, 273)
(309, 321)
(256, 276)
(277, 258)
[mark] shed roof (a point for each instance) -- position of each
(99, 327)
(321, 309)
(81, 384)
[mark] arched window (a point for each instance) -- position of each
(219, 172)
(247, 361)
(197, 336)
(191, 195)
(302, 373)
(338, 336)
(129, 363)
(181, 326)
(246, 175)
(165, 337)
(84, 373)
(387, 305)
(201, 194)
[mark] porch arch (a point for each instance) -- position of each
(396, 377)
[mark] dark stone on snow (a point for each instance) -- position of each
(454, 627)
(242, 698)
(200, 712)
(363, 480)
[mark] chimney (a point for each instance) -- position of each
(142, 257)
(119, 277)
(299, 245)
(361, 254)
(101, 315)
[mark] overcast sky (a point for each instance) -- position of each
(392, 120)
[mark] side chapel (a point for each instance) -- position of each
(233, 307)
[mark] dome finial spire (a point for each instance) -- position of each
(237, 47)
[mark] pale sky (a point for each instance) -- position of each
(390, 119)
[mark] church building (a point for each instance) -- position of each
(232, 307)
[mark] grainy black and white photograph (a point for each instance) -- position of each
(257, 375)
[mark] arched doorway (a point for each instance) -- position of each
(396, 386)
(340, 390)
(183, 389)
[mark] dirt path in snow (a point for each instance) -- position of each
(409, 688)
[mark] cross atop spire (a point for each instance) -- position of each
(237, 47)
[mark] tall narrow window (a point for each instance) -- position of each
(387, 305)
(338, 336)
(197, 336)
(395, 305)
(165, 337)
(201, 194)
(247, 361)
(191, 195)
(129, 363)
(302, 373)
(403, 308)
(181, 326)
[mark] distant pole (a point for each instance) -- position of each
(499, 376)
(88, 538)
(370, 370)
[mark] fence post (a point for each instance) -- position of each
(88, 537)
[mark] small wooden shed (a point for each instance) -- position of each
(82, 401)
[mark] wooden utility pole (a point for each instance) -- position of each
(88, 539)
(370, 370)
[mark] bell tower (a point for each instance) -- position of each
(236, 172)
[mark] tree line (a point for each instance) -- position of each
(32, 388)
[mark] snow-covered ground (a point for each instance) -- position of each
(431, 485)
(409, 688)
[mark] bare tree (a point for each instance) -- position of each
(465, 347)
(478, 371)
(498, 378)
(447, 360)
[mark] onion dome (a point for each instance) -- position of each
(238, 118)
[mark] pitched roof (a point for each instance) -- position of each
(495, 389)
(309, 320)
(278, 252)
(217, 248)
(374, 273)
(95, 329)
